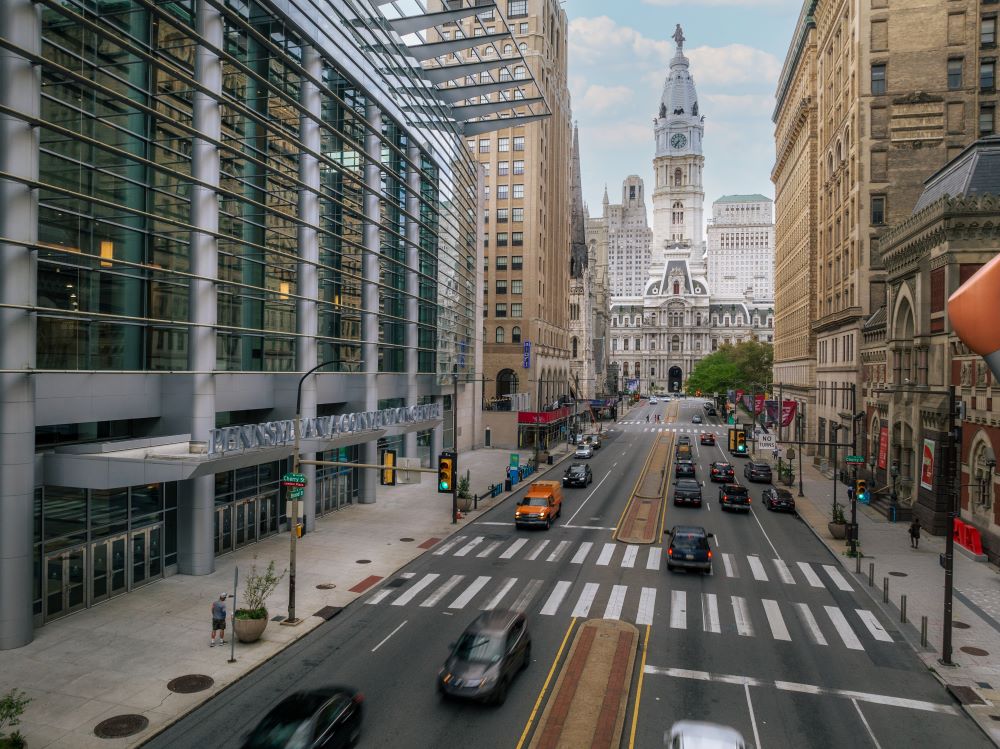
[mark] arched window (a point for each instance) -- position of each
(515, 334)
(523, 47)
(508, 49)
(574, 344)
(678, 177)
(677, 288)
(675, 343)
(506, 382)
(520, 73)
(500, 335)
(677, 216)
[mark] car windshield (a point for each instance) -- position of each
(690, 541)
(687, 484)
(479, 647)
(535, 502)
(577, 470)
(736, 491)
(722, 466)
(281, 731)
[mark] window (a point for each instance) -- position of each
(878, 79)
(955, 74)
(988, 31)
(503, 144)
(515, 334)
(486, 15)
(484, 145)
(520, 73)
(522, 28)
(517, 286)
(516, 262)
(515, 309)
(500, 335)
(502, 192)
(517, 8)
(986, 117)
(517, 214)
(987, 75)
(502, 167)
(508, 50)
(518, 165)
(501, 286)
(501, 310)
(517, 238)
(518, 192)
(501, 239)
(518, 144)
(502, 215)
(501, 262)
(878, 210)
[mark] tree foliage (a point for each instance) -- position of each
(733, 367)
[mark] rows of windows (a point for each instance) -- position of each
(500, 335)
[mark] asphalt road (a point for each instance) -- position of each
(770, 643)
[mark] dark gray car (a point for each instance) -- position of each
(754, 471)
(687, 491)
(578, 474)
(487, 657)
(689, 549)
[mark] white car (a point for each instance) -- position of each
(696, 734)
(584, 451)
(653, 401)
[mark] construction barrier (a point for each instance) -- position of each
(968, 536)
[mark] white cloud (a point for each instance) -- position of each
(742, 106)
(598, 99)
(601, 40)
(734, 63)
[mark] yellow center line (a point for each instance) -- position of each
(631, 498)
(638, 689)
(545, 686)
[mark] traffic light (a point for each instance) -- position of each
(741, 443)
(861, 491)
(446, 472)
(387, 475)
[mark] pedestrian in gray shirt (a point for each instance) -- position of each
(219, 620)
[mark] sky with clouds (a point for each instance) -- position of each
(619, 54)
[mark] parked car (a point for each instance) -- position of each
(722, 471)
(734, 497)
(757, 471)
(578, 474)
(689, 548)
(687, 491)
(691, 734)
(684, 469)
(321, 718)
(707, 438)
(653, 401)
(584, 451)
(487, 657)
(696, 419)
(541, 505)
(778, 499)
(596, 441)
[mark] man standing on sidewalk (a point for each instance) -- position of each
(915, 533)
(219, 620)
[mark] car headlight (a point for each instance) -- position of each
(472, 683)
(486, 682)
(517, 514)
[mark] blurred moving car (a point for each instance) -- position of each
(707, 438)
(776, 498)
(695, 734)
(689, 548)
(722, 471)
(684, 468)
(584, 451)
(687, 492)
(578, 474)
(757, 471)
(653, 401)
(696, 419)
(734, 497)
(596, 441)
(487, 657)
(325, 718)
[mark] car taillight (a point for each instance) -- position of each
(670, 552)
(709, 554)
(358, 698)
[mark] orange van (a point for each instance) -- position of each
(540, 505)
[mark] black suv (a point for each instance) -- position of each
(683, 439)
(687, 492)
(722, 471)
(487, 657)
(734, 497)
(578, 474)
(689, 548)
(754, 471)
(684, 469)
(778, 499)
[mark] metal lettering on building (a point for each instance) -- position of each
(279, 433)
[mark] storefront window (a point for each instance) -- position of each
(108, 511)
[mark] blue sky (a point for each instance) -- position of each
(618, 60)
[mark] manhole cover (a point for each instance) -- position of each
(190, 683)
(121, 726)
(965, 695)
(325, 586)
(407, 540)
(898, 574)
(364, 561)
(960, 625)
(968, 649)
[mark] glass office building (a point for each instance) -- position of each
(199, 202)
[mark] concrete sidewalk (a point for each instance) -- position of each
(917, 574)
(117, 658)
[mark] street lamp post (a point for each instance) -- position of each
(294, 519)
(454, 441)
(799, 420)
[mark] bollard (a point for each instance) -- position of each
(902, 609)
(475, 501)
(871, 574)
(923, 631)
(885, 590)
(857, 562)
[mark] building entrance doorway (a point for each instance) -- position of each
(65, 582)
(244, 522)
(147, 559)
(674, 379)
(109, 570)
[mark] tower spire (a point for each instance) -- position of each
(578, 240)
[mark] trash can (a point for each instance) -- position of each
(550, 460)
(507, 485)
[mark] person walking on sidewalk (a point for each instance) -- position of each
(219, 620)
(915, 533)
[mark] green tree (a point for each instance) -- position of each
(755, 361)
(741, 366)
(716, 373)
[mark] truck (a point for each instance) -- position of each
(540, 505)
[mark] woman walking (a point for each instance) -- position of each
(915, 533)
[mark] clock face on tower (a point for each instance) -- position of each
(678, 140)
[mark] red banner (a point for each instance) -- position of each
(788, 409)
(758, 403)
(883, 447)
(739, 394)
(542, 417)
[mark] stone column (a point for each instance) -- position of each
(20, 90)
(196, 497)
(307, 272)
(412, 289)
(370, 293)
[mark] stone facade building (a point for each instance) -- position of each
(628, 238)
(741, 246)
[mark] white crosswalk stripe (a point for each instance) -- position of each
(489, 549)
(558, 551)
(810, 623)
(710, 613)
(538, 550)
(555, 598)
(631, 552)
(653, 560)
(469, 546)
(757, 568)
(491, 604)
(783, 572)
(448, 545)
(380, 596)
(442, 591)
(469, 593)
(615, 602)
(606, 553)
(843, 628)
(586, 600)
(837, 578)
(874, 626)
(741, 613)
(775, 621)
(647, 604)
(522, 602)
(582, 552)
(511, 550)
(730, 564)
(678, 609)
(418, 586)
(811, 577)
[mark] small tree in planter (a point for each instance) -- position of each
(250, 620)
(464, 493)
(12, 706)
(837, 526)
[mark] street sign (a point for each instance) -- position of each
(297, 493)
(526, 358)
(293, 479)
(765, 441)
(855, 458)
(515, 460)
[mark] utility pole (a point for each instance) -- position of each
(454, 444)
(854, 469)
(949, 548)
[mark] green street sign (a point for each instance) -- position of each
(293, 479)
(515, 460)
(297, 493)
(855, 458)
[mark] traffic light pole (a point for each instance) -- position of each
(854, 468)
(949, 547)
(454, 447)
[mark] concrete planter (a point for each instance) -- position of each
(249, 630)
(837, 530)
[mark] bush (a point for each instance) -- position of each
(12, 706)
(257, 588)
(838, 514)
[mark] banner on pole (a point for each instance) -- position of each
(883, 447)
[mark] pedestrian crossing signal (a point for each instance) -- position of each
(446, 472)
